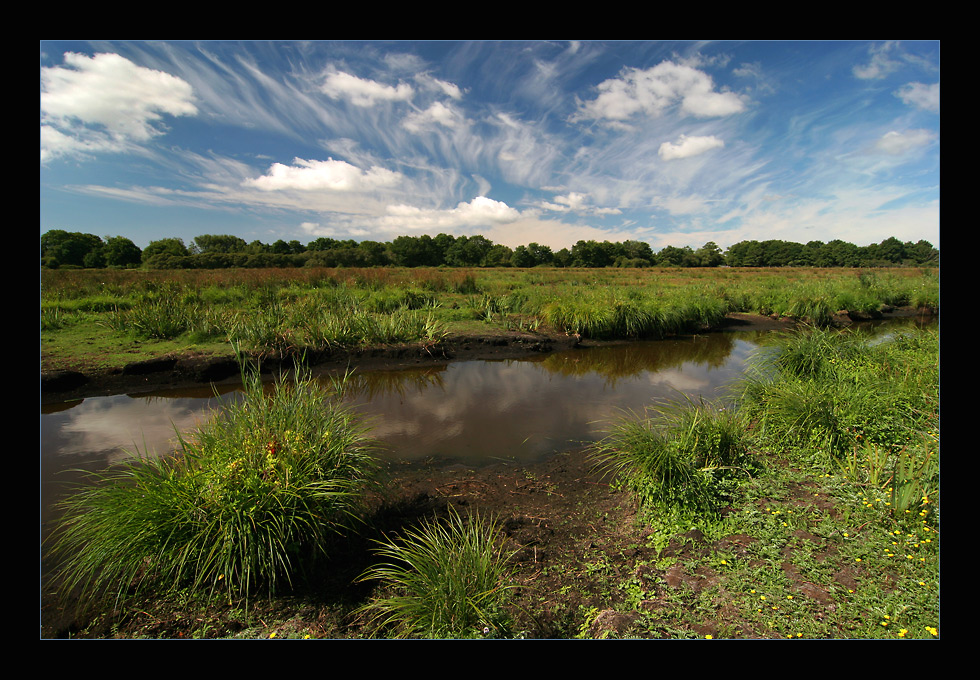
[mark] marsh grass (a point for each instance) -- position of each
(681, 457)
(443, 579)
(827, 391)
(247, 505)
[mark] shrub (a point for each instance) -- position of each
(253, 497)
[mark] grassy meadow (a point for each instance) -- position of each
(107, 318)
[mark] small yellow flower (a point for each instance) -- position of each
(902, 632)
(708, 637)
(932, 630)
(272, 635)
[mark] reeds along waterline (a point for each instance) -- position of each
(249, 499)
(270, 311)
(677, 456)
(869, 408)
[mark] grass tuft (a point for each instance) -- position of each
(444, 579)
(247, 505)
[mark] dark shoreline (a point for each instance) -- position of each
(175, 372)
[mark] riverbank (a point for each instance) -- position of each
(61, 383)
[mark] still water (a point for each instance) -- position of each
(471, 413)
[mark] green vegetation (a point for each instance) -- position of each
(446, 579)
(809, 509)
(681, 460)
(837, 535)
(60, 248)
(249, 502)
(90, 315)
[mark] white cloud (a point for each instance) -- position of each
(652, 91)
(897, 143)
(430, 83)
(363, 92)
(328, 175)
(880, 64)
(106, 103)
(480, 212)
(689, 146)
(437, 114)
(575, 201)
(921, 96)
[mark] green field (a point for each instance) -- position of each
(92, 319)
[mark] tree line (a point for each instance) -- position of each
(63, 249)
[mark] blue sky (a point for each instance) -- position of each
(673, 143)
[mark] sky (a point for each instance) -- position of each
(672, 143)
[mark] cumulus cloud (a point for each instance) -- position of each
(921, 96)
(897, 143)
(652, 91)
(363, 92)
(478, 213)
(328, 175)
(106, 103)
(578, 202)
(685, 147)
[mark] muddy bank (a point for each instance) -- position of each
(174, 372)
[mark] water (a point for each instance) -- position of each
(470, 413)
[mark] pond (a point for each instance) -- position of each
(471, 413)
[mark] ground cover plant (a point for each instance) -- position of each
(244, 508)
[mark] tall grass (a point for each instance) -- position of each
(830, 391)
(444, 579)
(246, 506)
(679, 457)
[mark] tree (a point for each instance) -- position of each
(121, 252)
(61, 248)
(165, 247)
(468, 251)
(672, 256)
(709, 255)
(221, 243)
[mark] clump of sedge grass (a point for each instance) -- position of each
(445, 579)
(252, 499)
(681, 457)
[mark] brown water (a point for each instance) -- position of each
(469, 413)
